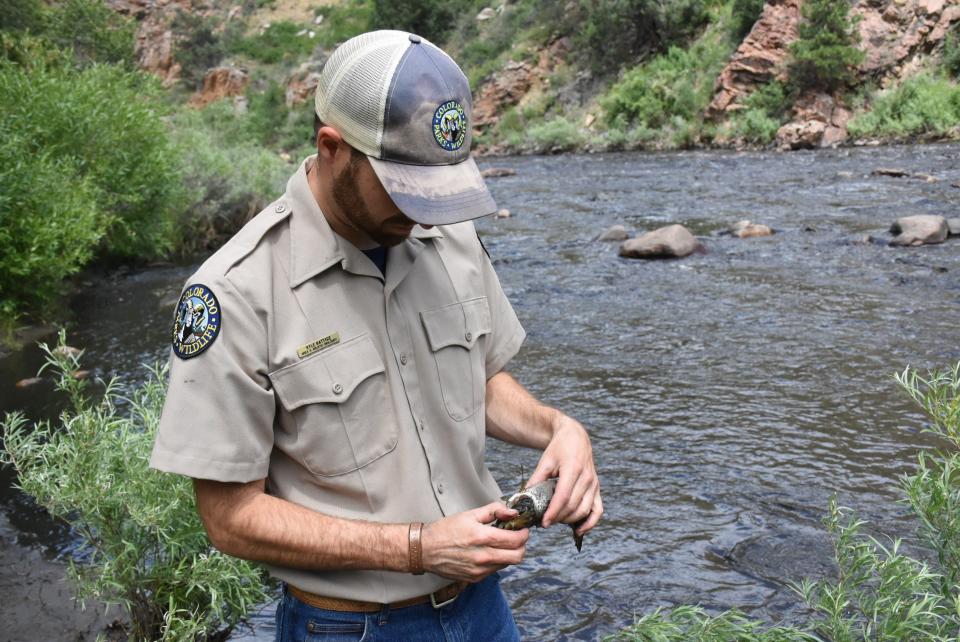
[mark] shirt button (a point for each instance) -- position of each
(403, 359)
(280, 208)
(468, 336)
(421, 424)
(440, 488)
(337, 389)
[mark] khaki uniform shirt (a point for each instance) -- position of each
(353, 395)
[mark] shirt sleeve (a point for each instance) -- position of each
(217, 421)
(507, 334)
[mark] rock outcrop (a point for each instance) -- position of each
(155, 41)
(897, 36)
(760, 58)
(221, 82)
(673, 241)
(921, 229)
(516, 80)
(302, 83)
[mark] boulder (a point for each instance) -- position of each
(221, 82)
(672, 241)
(819, 120)
(953, 226)
(921, 229)
(504, 213)
(487, 13)
(895, 172)
(614, 233)
(497, 172)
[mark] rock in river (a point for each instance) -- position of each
(921, 229)
(614, 233)
(747, 229)
(953, 225)
(498, 172)
(673, 241)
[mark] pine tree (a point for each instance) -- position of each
(825, 55)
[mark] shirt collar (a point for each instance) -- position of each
(314, 246)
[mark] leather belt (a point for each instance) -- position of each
(439, 598)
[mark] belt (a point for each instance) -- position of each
(439, 598)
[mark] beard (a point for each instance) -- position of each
(346, 195)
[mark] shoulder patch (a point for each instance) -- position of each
(196, 322)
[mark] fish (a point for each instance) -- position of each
(531, 505)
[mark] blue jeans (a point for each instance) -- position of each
(479, 613)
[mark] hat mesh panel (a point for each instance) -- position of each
(353, 87)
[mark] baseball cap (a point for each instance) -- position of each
(406, 104)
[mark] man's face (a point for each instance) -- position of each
(360, 196)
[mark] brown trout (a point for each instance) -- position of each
(531, 504)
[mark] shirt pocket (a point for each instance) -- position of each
(454, 332)
(341, 405)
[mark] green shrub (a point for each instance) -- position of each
(50, 224)
(199, 47)
(279, 42)
(229, 176)
(104, 119)
(94, 31)
(951, 52)
(619, 32)
(432, 19)
(343, 21)
(558, 134)
(745, 14)
(879, 594)
(143, 544)
(276, 126)
(17, 15)
(677, 83)
(919, 105)
(753, 126)
(823, 55)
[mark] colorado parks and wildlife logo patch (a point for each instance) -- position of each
(450, 125)
(197, 321)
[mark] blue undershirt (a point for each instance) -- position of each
(379, 257)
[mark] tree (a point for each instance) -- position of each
(825, 55)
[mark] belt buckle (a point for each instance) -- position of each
(433, 600)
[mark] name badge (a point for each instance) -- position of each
(307, 349)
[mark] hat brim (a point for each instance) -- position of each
(436, 194)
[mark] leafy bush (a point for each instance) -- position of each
(143, 544)
(880, 594)
(558, 134)
(50, 224)
(677, 83)
(919, 105)
(765, 110)
(432, 19)
(637, 27)
(279, 42)
(951, 52)
(745, 15)
(94, 31)
(229, 176)
(108, 126)
(343, 21)
(823, 55)
(199, 47)
(16, 15)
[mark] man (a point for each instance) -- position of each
(333, 412)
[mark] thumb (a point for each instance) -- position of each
(545, 468)
(493, 511)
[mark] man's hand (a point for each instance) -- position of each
(465, 547)
(569, 456)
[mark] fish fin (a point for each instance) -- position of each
(578, 540)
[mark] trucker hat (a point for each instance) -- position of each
(406, 104)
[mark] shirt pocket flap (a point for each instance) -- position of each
(329, 377)
(459, 323)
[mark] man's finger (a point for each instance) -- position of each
(594, 516)
(492, 512)
(560, 498)
(545, 468)
(583, 508)
(504, 539)
(580, 492)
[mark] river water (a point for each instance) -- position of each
(728, 395)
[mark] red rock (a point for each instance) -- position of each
(220, 82)
(672, 241)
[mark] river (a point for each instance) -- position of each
(728, 394)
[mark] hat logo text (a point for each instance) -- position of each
(450, 125)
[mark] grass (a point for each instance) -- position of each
(926, 104)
